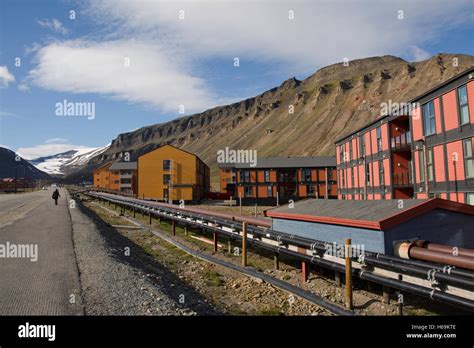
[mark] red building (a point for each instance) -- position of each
(420, 154)
(280, 178)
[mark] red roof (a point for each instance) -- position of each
(322, 211)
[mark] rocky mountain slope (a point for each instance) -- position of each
(334, 101)
(11, 168)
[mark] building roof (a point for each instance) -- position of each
(369, 214)
(176, 148)
(102, 167)
(286, 162)
(123, 166)
(413, 100)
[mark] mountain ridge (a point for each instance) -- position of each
(335, 100)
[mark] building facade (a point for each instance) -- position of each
(425, 153)
(279, 179)
(168, 173)
(105, 179)
(127, 177)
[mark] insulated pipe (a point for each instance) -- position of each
(239, 218)
(428, 255)
(449, 249)
(408, 250)
(427, 265)
(430, 274)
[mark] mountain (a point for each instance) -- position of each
(66, 162)
(11, 168)
(332, 102)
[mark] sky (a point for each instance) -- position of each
(138, 63)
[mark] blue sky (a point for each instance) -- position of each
(139, 61)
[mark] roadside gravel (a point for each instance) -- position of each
(118, 278)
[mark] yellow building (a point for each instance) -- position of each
(168, 173)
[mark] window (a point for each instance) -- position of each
(350, 150)
(266, 174)
(166, 178)
(352, 176)
(309, 190)
(307, 174)
(343, 178)
(362, 145)
(166, 164)
(421, 160)
(429, 164)
(468, 158)
(470, 198)
(244, 176)
(269, 191)
(248, 191)
(429, 123)
(379, 139)
(330, 172)
(165, 193)
(367, 173)
(341, 153)
(381, 177)
(463, 107)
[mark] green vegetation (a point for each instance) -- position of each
(213, 278)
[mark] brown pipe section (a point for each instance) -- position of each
(441, 257)
(449, 249)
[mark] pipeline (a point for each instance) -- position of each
(319, 246)
(409, 250)
(449, 249)
(238, 218)
(432, 274)
(428, 265)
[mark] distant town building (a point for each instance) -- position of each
(281, 178)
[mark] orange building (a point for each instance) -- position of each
(171, 174)
(127, 177)
(105, 179)
(279, 179)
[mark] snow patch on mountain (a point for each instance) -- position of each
(63, 162)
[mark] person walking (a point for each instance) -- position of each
(56, 195)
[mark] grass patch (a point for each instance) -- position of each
(270, 312)
(213, 278)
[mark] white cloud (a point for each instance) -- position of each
(7, 114)
(167, 53)
(48, 149)
(5, 76)
(321, 32)
(23, 87)
(153, 76)
(419, 54)
(56, 140)
(53, 24)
